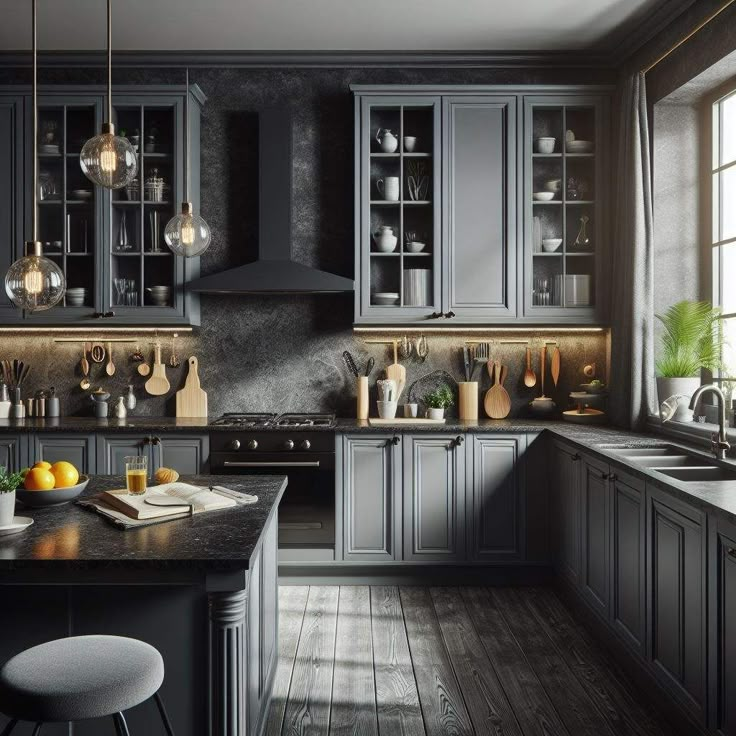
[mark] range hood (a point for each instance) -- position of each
(274, 272)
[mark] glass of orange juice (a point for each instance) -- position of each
(136, 474)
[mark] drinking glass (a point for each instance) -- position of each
(136, 474)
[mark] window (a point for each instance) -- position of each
(723, 233)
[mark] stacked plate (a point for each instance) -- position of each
(159, 295)
(76, 296)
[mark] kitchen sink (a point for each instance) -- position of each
(695, 475)
(670, 461)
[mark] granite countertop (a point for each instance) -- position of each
(71, 537)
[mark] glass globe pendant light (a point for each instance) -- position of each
(187, 234)
(33, 282)
(109, 160)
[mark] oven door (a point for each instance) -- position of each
(307, 509)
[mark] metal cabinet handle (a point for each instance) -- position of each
(612, 477)
(435, 315)
(394, 440)
(146, 440)
(575, 457)
(731, 552)
(458, 440)
(156, 440)
(449, 315)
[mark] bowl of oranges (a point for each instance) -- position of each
(45, 484)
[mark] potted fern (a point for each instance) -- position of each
(692, 341)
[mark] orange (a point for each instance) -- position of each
(39, 479)
(65, 474)
(42, 464)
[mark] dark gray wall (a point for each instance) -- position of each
(269, 352)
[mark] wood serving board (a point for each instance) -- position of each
(403, 420)
(191, 401)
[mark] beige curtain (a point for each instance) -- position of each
(633, 392)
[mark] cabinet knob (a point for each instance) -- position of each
(458, 440)
(156, 440)
(252, 444)
(394, 440)
(575, 457)
(146, 440)
(449, 315)
(305, 445)
(612, 477)
(289, 444)
(234, 444)
(731, 552)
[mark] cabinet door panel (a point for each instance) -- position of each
(11, 456)
(270, 604)
(78, 449)
(434, 498)
(187, 454)
(497, 503)
(595, 534)
(371, 497)
(567, 482)
(113, 449)
(677, 598)
(255, 683)
(628, 522)
(480, 147)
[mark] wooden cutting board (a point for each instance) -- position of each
(397, 372)
(158, 384)
(497, 402)
(191, 401)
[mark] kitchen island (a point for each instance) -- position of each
(202, 590)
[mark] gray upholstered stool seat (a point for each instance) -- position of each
(79, 677)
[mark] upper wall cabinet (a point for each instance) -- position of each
(478, 205)
(109, 244)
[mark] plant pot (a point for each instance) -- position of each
(7, 508)
(435, 413)
(683, 389)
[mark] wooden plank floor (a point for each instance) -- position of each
(413, 661)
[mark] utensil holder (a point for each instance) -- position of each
(362, 404)
(468, 401)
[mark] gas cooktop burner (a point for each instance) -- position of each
(275, 420)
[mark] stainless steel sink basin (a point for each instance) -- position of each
(670, 461)
(636, 452)
(696, 475)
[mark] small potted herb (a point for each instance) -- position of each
(8, 483)
(438, 400)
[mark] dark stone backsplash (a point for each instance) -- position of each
(282, 353)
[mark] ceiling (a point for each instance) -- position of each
(327, 25)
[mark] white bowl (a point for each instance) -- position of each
(385, 298)
(53, 497)
(553, 185)
(550, 245)
(546, 145)
(579, 146)
(543, 196)
(415, 246)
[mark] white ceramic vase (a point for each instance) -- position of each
(435, 413)
(7, 508)
(683, 389)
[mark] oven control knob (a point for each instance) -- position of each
(289, 444)
(234, 445)
(252, 444)
(305, 444)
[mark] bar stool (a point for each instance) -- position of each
(81, 677)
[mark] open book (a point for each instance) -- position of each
(202, 499)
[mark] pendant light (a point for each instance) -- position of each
(33, 282)
(187, 234)
(109, 160)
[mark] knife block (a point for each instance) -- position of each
(468, 401)
(362, 389)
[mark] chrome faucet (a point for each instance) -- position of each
(719, 441)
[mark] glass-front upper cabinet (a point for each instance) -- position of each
(398, 219)
(565, 152)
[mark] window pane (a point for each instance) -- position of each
(728, 143)
(728, 203)
(729, 350)
(728, 279)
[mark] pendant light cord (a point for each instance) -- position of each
(109, 61)
(187, 139)
(34, 87)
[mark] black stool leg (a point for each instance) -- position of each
(37, 730)
(121, 725)
(164, 716)
(10, 726)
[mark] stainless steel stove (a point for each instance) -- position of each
(256, 420)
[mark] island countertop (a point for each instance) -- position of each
(70, 537)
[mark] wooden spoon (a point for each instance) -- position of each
(555, 366)
(530, 377)
(543, 366)
(84, 363)
(497, 402)
(110, 367)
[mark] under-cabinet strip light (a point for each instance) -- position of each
(94, 333)
(450, 331)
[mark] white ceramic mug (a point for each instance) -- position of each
(410, 143)
(410, 410)
(7, 508)
(388, 188)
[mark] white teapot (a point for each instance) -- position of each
(387, 140)
(385, 239)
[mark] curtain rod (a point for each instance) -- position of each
(695, 30)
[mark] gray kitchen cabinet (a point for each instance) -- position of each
(13, 452)
(722, 626)
(566, 482)
(676, 598)
(254, 620)
(187, 454)
(628, 549)
(370, 477)
(270, 603)
(434, 497)
(479, 190)
(594, 567)
(496, 508)
(113, 449)
(76, 448)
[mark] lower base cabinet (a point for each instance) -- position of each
(566, 482)
(76, 448)
(12, 452)
(187, 454)
(676, 598)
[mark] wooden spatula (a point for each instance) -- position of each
(396, 372)
(554, 368)
(543, 367)
(497, 402)
(191, 401)
(530, 379)
(158, 384)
